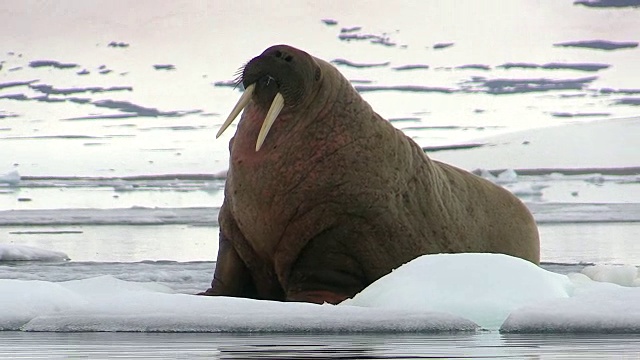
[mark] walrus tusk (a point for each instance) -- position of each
(240, 105)
(272, 114)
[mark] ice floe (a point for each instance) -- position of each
(445, 292)
(12, 252)
(11, 178)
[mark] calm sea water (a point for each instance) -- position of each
(18, 345)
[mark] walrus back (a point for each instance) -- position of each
(433, 207)
(413, 205)
(503, 223)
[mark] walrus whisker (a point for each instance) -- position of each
(240, 105)
(272, 114)
(239, 76)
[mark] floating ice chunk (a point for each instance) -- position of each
(108, 304)
(633, 179)
(507, 176)
(23, 300)
(12, 178)
(523, 189)
(595, 179)
(10, 252)
(484, 288)
(594, 307)
(486, 174)
(556, 176)
(433, 293)
(625, 275)
(124, 187)
(221, 314)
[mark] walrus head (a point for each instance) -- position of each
(278, 78)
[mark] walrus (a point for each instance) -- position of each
(323, 196)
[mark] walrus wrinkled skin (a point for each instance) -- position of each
(336, 197)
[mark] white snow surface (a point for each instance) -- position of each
(595, 307)
(566, 146)
(484, 288)
(11, 252)
(108, 304)
(433, 293)
(625, 275)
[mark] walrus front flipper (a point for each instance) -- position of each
(326, 270)
(231, 277)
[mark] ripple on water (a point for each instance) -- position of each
(312, 346)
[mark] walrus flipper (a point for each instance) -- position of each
(231, 277)
(332, 277)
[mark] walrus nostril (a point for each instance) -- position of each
(284, 56)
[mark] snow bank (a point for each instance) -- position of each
(595, 307)
(434, 293)
(27, 253)
(625, 275)
(484, 288)
(108, 304)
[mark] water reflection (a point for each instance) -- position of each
(313, 346)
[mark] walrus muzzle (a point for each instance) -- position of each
(264, 73)
(272, 114)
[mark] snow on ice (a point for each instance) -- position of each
(476, 286)
(434, 293)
